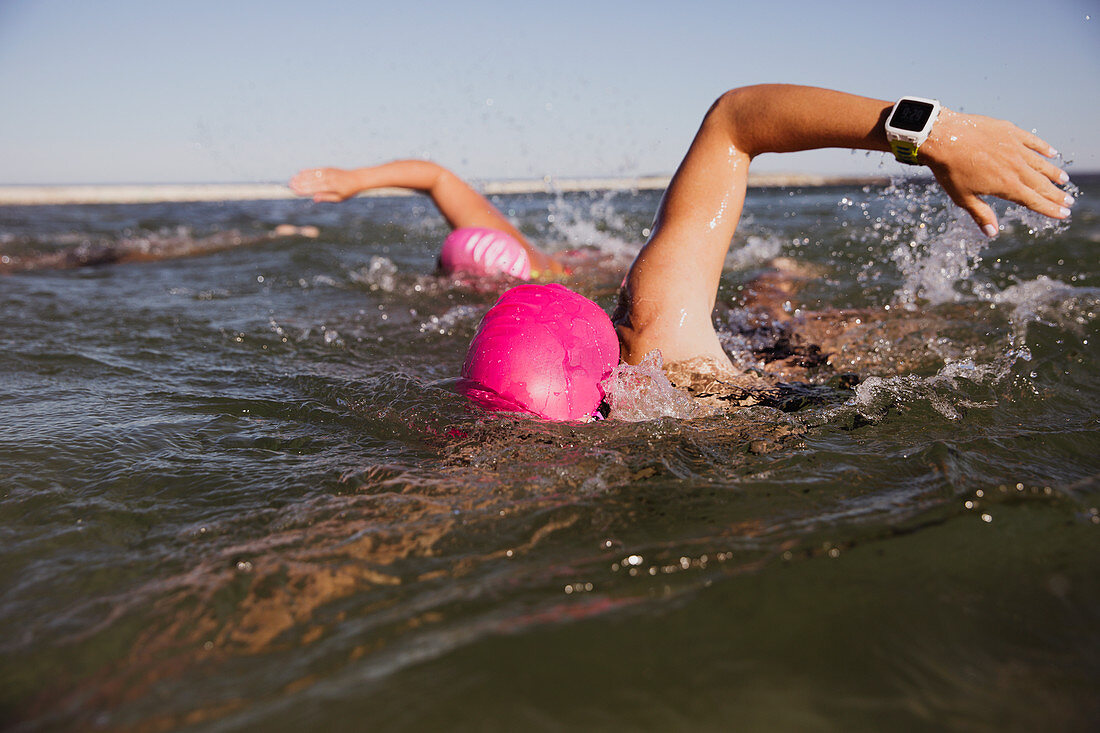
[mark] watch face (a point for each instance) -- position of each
(910, 115)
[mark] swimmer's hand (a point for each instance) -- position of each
(326, 184)
(974, 156)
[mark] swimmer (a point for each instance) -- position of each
(483, 242)
(149, 248)
(671, 288)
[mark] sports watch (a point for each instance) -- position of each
(908, 126)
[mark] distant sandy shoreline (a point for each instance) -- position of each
(162, 193)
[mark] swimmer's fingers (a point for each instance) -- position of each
(323, 184)
(1020, 182)
(1040, 194)
(1028, 187)
(312, 181)
(1028, 178)
(304, 182)
(981, 212)
(1041, 162)
(1048, 170)
(1035, 184)
(1038, 144)
(975, 156)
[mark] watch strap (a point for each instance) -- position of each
(905, 151)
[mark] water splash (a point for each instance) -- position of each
(449, 321)
(743, 334)
(643, 392)
(754, 252)
(938, 249)
(947, 391)
(593, 222)
(379, 274)
(1047, 302)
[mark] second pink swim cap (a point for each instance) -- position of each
(542, 349)
(481, 251)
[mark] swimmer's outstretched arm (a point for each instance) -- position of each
(456, 200)
(150, 248)
(671, 288)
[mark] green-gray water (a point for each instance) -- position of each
(238, 491)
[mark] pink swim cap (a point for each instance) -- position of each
(482, 251)
(542, 349)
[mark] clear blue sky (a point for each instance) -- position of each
(209, 91)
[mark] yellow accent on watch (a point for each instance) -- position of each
(904, 151)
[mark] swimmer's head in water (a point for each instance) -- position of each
(481, 251)
(542, 349)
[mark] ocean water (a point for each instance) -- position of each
(238, 490)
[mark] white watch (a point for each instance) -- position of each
(908, 125)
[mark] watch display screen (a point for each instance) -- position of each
(910, 115)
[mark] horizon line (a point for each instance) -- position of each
(135, 193)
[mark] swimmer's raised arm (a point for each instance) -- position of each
(456, 200)
(671, 287)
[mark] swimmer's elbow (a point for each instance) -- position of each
(730, 116)
(731, 99)
(748, 115)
